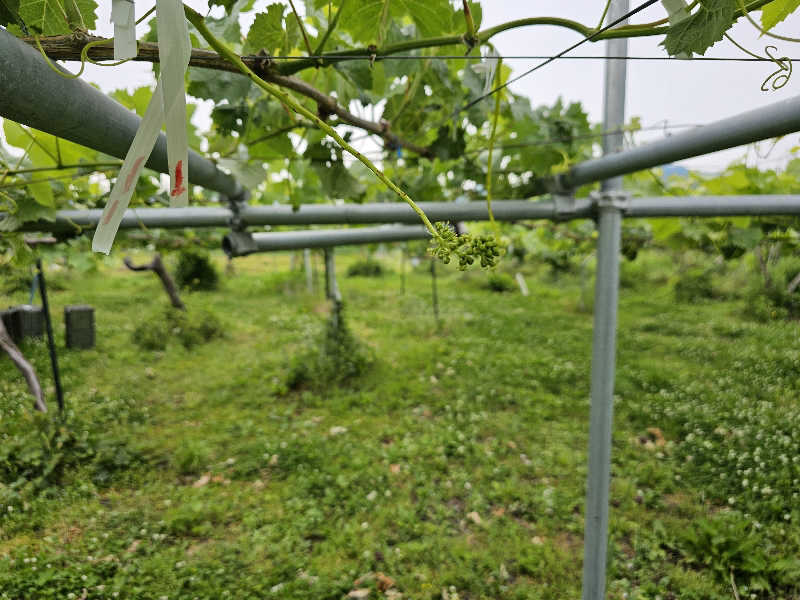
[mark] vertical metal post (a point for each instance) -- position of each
(332, 286)
(51, 345)
(610, 208)
(616, 73)
(610, 204)
(309, 272)
(403, 252)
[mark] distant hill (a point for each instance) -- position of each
(670, 170)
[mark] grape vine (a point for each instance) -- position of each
(290, 92)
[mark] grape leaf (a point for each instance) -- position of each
(432, 17)
(227, 27)
(702, 29)
(337, 182)
(9, 10)
(218, 85)
(459, 21)
(357, 72)
(81, 14)
(266, 32)
(28, 210)
(362, 20)
(42, 193)
(136, 101)
(47, 17)
(226, 4)
(776, 11)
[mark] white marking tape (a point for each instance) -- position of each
(167, 104)
(123, 16)
(132, 166)
(174, 51)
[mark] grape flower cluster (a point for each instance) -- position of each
(466, 247)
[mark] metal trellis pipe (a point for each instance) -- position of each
(322, 238)
(504, 210)
(774, 120)
(610, 205)
(307, 214)
(32, 94)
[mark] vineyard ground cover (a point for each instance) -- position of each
(456, 467)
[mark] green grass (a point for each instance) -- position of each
(455, 466)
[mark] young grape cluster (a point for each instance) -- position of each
(466, 248)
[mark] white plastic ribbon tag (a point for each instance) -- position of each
(123, 16)
(174, 51)
(132, 166)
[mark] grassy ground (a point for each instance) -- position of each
(454, 468)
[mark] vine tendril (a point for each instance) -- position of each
(780, 77)
(785, 64)
(85, 53)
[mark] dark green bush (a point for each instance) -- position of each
(366, 268)
(189, 328)
(195, 271)
(336, 358)
(500, 282)
(693, 285)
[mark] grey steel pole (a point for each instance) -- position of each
(505, 210)
(775, 120)
(323, 238)
(313, 214)
(331, 284)
(602, 398)
(309, 274)
(32, 94)
(605, 327)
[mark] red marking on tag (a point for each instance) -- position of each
(110, 212)
(133, 174)
(179, 189)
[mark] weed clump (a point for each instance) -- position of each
(336, 358)
(775, 298)
(40, 453)
(499, 282)
(366, 268)
(694, 285)
(190, 329)
(728, 546)
(195, 271)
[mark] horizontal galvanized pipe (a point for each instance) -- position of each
(32, 94)
(771, 121)
(307, 214)
(504, 210)
(328, 238)
(714, 206)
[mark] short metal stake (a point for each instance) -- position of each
(51, 345)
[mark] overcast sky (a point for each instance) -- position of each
(679, 92)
